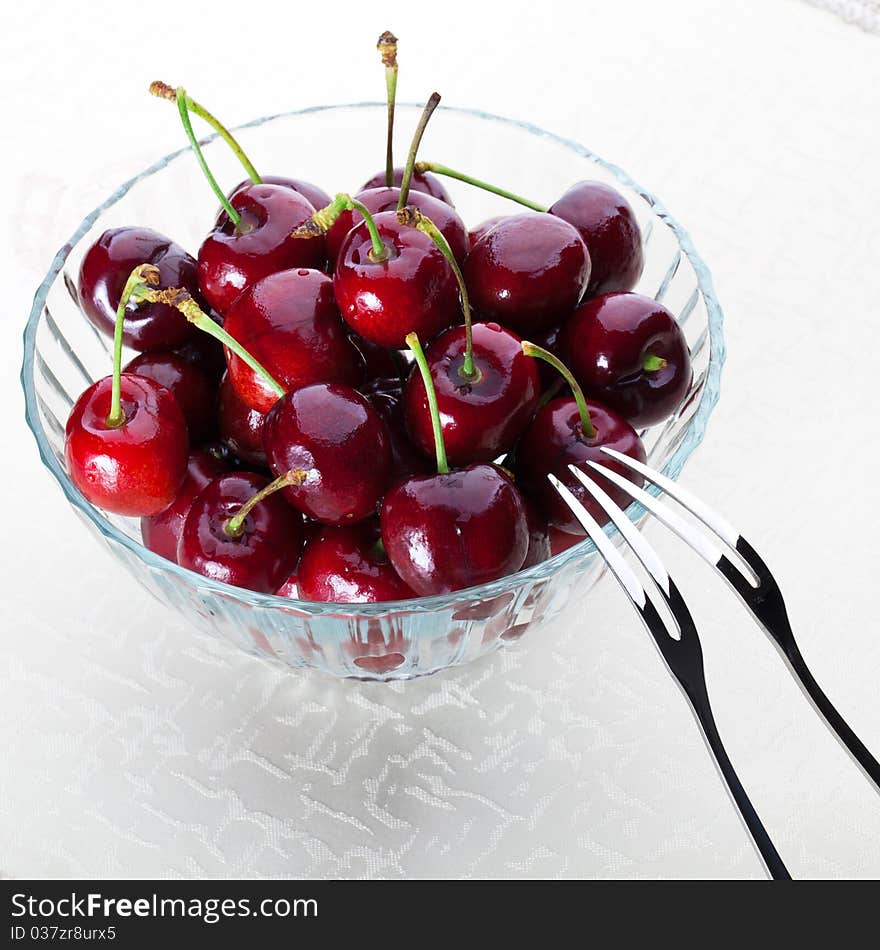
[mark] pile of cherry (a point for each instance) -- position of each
(356, 399)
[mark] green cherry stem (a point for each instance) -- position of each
(430, 106)
(143, 277)
(181, 299)
(530, 349)
(235, 526)
(412, 341)
(183, 109)
(412, 217)
(652, 364)
(387, 47)
(163, 91)
(324, 219)
(438, 169)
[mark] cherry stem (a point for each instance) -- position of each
(163, 91)
(438, 169)
(412, 341)
(183, 109)
(324, 219)
(183, 301)
(387, 47)
(143, 277)
(531, 349)
(235, 526)
(412, 217)
(430, 106)
(651, 363)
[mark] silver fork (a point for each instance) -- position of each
(679, 645)
(755, 586)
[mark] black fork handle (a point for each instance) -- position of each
(699, 699)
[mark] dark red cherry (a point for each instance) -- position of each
(205, 353)
(231, 259)
(266, 551)
(377, 200)
(555, 440)
(241, 427)
(528, 272)
(629, 352)
(105, 269)
(316, 197)
(423, 182)
(483, 228)
(561, 540)
(449, 531)
(380, 362)
(349, 566)
(134, 469)
(414, 290)
(608, 225)
(549, 340)
(332, 434)
(406, 459)
(539, 535)
(161, 533)
(195, 393)
(481, 419)
(290, 324)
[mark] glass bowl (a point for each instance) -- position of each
(63, 354)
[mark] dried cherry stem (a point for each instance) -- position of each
(324, 219)
(163, 91)
(387, 47)
(412, 341)
(427, 112)
(143, 277)
(531, 349)
(438, 169)
(235, 526)
(412, 217)
(181, 299)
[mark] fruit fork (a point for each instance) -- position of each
(676, 638)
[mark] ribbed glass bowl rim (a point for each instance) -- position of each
(693, 436)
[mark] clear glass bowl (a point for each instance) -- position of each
(335, 146)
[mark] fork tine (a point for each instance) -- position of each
(613, 558)
(710, 518)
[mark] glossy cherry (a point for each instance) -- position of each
(483, 228)
(556, 439)
(233, 257)
(289, 322)
(456, 529)
(423, 182)
(135, 468)
(334, 435)
(413, 289)
(316, 197)
(608, 225)
(483, 415)
(161, 532)
(528, 272)
(258, 556)
(380, 199)
(195, 393)
(406, 459)
(349, 565)
(205, 353)
(241, 427)
(104, 271)
(629, 352)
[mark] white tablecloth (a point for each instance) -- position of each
(133, 746)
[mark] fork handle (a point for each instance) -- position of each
(854, 745)
(699, 700)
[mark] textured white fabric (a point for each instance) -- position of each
(863, 13)
(135, 747)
